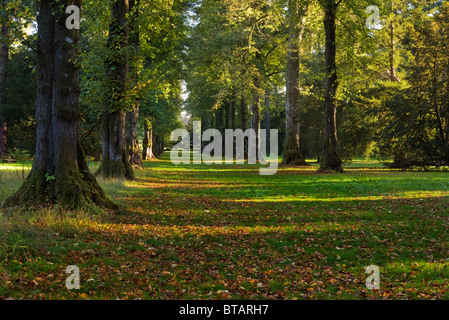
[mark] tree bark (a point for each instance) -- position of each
(115, 162)
(158, 145)
(132, 117)
(233, 106)
(132, 140)
(255, 117)
(243, 113)
(267, 122)
(243, 120)
(292, 154)
(148, 141)
(59, 174)
(330, 159)
(392, 69)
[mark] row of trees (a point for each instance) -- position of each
(121, 70)
(310, 68)
(311, 61)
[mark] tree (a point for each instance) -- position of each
(292, 153)
(115, 162)
(59, 174)
(416, 114)
(132, 116)
(330, 158)
(234, 58)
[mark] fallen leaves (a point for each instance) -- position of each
(231, 234)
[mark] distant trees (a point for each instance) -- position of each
(19, 111)
(12, 24)
(152, 53)
(236, 60)
(284, 64)
(416, 114)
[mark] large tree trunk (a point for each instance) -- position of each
(330, 159)
(59, 174)
(4, 55)
(132, 117)
(292, 154)
(115, 162)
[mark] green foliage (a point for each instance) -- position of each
(22, 88)
(416, 117)
(162, 32)
(240, 52)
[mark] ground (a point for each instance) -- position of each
(225, 232)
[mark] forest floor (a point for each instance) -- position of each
(225, 232)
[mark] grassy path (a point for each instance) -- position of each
(224, 232)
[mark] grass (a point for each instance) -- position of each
(225, 232)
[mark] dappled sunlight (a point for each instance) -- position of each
(307, 198)
(230, 225)
(83, 224)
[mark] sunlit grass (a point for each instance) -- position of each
(224, 231)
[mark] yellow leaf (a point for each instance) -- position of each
(84, 296)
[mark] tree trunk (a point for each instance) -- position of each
(292, 154)
(267, 122)
(243, 113)
(227, 115)
(330, 159)
(220, 123)
(148, 141)
(243, 120)
(206, 121)
(132, 140)
(59, 174)
(155, 146)
(132, 117)
(4, 56)
(233, 102)
(115, 162)
(255, 118)
(158, 146)
(392, 69)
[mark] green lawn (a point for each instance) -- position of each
(225, 232)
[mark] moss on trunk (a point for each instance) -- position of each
(60, 175)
